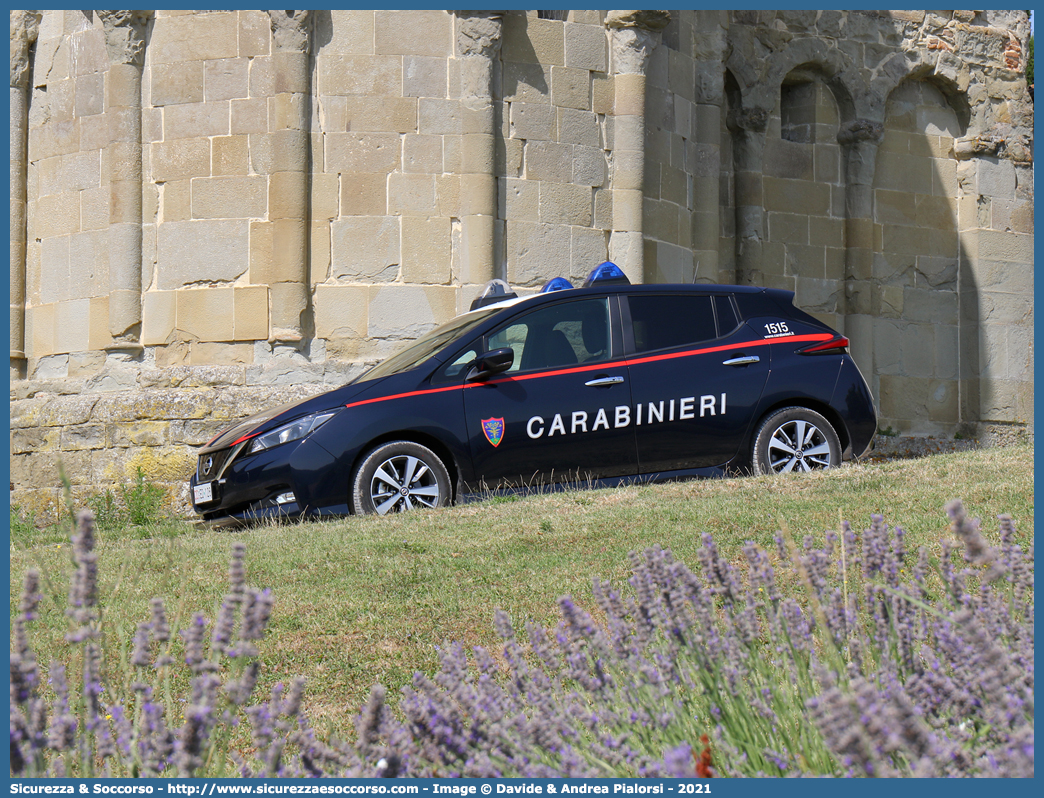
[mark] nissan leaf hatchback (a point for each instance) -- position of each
(601, 384)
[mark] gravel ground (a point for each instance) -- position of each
(904, 447)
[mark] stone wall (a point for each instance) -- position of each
(212, 212)
(682, 151)
(804, 196)
(916, 329)
(882, 164)
(555, 99)
(98, 440)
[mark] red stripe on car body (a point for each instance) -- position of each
(404, 395)
(601, 366)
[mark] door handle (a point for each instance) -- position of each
(746, 360)
(604, 381)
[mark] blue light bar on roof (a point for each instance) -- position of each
(556, 284)
(607, 273)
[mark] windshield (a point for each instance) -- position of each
(427, 345)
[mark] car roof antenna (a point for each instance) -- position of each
(695, 272)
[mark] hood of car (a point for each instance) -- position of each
(269, 419)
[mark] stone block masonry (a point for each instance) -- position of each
(155, 420)
(209, 208)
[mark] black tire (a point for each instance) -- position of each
(399, 476)
(795, 439)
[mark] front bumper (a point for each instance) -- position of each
(251, 516)
(289, 481)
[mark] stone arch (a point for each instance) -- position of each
(943, 74)
(814, 56)
(812, 75)
(746, 125)
(742, 71)
(733, 92)
(754, 89)
(789, 197)
(925, 327)
(804, 185)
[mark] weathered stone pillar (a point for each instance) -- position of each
(632, 36)
(859, 140)
(289, 184)
(708, 54)
(748, 134)
(859, 304)
(125, 43)
(995, 276)
(25, 26)
(479, 37)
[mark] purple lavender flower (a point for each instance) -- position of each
(93, 688)
(976, 549)
(123, 727)
(798, 624)
(762, 574)
(62, 732)
(83, 588)
(24, 672)
(255, 616)
(159, 627)
(370, 725)
(188, 751)
(155, 742)
(875, 545)
(193, 636)
(717, 572)
(140, 651)
(678, 763)
(239, 690)
(894, 557)
(946, 692)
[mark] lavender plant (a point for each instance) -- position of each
(890, 664)
(95, 733)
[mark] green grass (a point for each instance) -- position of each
(366, 600)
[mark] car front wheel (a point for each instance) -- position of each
(795, 439)
(399, 476)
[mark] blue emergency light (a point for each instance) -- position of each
(556, 284)
(607, 273)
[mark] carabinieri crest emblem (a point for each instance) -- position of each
(493, 429)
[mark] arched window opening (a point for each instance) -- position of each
(797, 112)
(808, 112)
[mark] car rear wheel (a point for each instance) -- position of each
(795, 439)
(399, 476)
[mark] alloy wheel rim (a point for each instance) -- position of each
(798, 446)
(402, 483)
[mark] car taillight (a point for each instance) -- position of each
(836, 345)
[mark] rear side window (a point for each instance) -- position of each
(727, 319)
(662, 322)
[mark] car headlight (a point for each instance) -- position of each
(293, 431)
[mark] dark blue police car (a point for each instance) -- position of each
(606, 383)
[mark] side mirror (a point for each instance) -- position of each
(494, 362)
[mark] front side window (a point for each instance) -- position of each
(565, 334)
(456, 368)
(427, 345)
(662, 322)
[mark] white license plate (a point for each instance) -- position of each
(201, 494)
